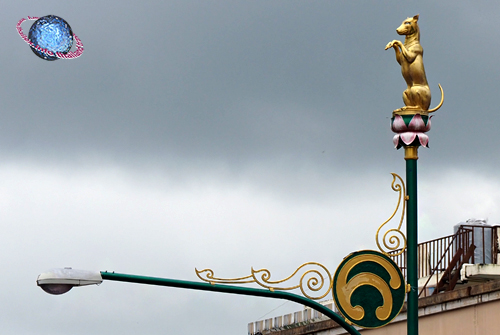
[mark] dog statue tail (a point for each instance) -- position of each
(440, 103)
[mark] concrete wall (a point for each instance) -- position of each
(473, 320)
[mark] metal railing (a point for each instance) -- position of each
(440, 258)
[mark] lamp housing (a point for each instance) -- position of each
(59, 281)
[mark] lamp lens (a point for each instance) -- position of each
(56, 288)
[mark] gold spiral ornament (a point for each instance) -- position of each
(394, 239)
(369, 289)
(314, 280)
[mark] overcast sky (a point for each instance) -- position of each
(225, 135)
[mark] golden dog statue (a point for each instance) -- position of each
(417, 96)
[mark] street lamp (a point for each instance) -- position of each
(59, 281)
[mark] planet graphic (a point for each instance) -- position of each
(51, 33)
(51, 37)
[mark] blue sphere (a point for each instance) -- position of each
(51, 33)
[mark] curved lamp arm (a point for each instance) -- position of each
(55, 281)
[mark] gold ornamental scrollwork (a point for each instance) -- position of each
(315, 280)
(394, 239)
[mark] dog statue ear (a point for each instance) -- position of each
(416, 17)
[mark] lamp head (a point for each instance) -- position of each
(59, 281)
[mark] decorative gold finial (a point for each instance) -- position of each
(417, 96)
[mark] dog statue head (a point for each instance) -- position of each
(409, 26)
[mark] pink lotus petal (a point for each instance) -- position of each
(428, 124)
(408, 137)
(424, 139)
(398, 125)
(395, 140)
(416, 123)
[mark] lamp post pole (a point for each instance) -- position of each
(410, 128)
(411, 157)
